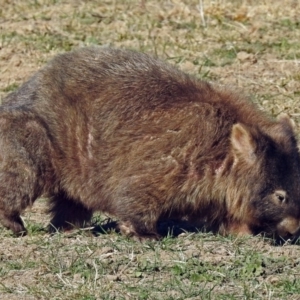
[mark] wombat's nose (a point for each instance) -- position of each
(289, 228)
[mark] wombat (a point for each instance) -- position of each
(121, 132)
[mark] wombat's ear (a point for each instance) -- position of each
(243, 143)
(286, 122)
(283, 132)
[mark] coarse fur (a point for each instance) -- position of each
(117, 131)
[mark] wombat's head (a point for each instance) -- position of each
(266, 176)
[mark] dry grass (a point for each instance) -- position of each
(253, 46)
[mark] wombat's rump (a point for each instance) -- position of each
(124, 133)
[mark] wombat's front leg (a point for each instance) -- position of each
(67, 213)
(137, 231)
(137, 210)
(13, 222)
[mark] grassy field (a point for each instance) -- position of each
(251, 46)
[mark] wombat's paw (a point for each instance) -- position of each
(235, 228)
(127, 229)
(14, 223)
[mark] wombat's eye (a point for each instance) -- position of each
(281, 196)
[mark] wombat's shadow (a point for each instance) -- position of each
(173, 228)
(169, 228)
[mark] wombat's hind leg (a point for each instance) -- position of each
(67, 213)
(13, 222)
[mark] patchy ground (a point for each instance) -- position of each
(249, 45)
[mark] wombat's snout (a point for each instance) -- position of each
(289, 228)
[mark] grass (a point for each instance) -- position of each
(250, 46)
(192, 266)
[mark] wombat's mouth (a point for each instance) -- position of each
(287, 239)
(278, 239)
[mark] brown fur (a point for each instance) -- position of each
(126, 134)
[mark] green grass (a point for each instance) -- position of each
(10, 88)
(81, 266)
